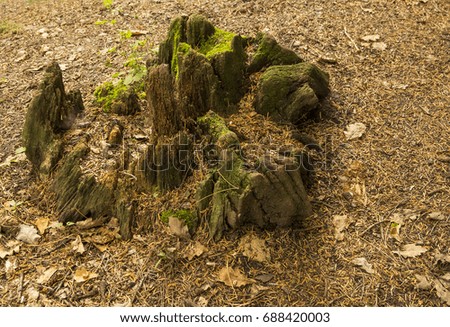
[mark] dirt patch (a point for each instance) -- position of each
(393, 83)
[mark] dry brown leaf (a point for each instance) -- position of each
(46, 275)
(32, 294)
(264, 278)
(380, 46)
(179, 228)
(77, 245)
(355, 131)
(255, 248)
(445, 277)
(42, 224)
(196, 250)
(411, 250)
(362, 262)
(11, 247)
(442, 257)
(442, 292)
(424, 283)
(341, 223)
(371, 38)
(28, 234)
(103, 237)
(82, 275)
(233, 277)
(436, 216)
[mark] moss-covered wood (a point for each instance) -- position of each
(80, 195)
(50, 113)
(270, 53)
(199, 77)
(290, 92)
(232, 195)
(166, 163)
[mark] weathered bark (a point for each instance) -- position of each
(272, 196)
(164, 115)
(289, 93)
(270, 53)
(166, 163)
(50, 113)
(80, 195)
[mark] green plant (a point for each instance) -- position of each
(126, 34)
(106, 93)
(7, 27)
(103, 22)
(186, 215)
(108, 3)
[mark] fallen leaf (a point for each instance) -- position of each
(28, 234)
(341, 223)
(42, 224)
(196, 250)
(11, 247)
(233, 277)
(82, 275)
(264, 278)
(442, 292)
(179, 228)
(77, 245)
(371, 38)
(380, 46)
(424, 283)
(33, 294)
(411, 251)
(362, 262)
(446, 277)
(100, 247)
(103, 237)
(255, 248)
(20, 150)
(436, 216)
(10, 265)
(355, 131)
(442, 258)
(46, 275)
(400, 86)
(396, 222)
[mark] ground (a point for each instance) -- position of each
(389, 69)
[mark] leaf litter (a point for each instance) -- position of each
(411, 250)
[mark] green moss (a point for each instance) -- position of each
(7, 27)
(270, 53)
(219, 42)
(109, 92)
(184, 47)
(187, 216)
(175, 34)
(214, 124)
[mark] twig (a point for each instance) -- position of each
(373, 225)
(20, 288)
(92, 293)
(350, 38)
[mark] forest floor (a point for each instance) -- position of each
(380, 232)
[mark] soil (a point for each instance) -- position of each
(389, 66)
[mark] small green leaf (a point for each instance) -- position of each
(20, 150)
(128, 79)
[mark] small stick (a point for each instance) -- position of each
(350, 38)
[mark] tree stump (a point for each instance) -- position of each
(200, 78)
(50, 113)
